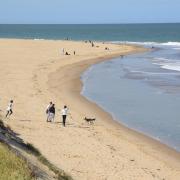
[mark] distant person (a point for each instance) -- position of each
(92, 44)
(51, 113)
(67, 53)
(9, 109)
(74, 52)
(62, 51)
(64, 113)
(47, 110)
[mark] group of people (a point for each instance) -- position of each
(66, 53)
(91, 42)
(50, 111)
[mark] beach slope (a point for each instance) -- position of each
(35, 72)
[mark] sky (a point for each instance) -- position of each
(88, 11)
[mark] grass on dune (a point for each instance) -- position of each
(12, 167)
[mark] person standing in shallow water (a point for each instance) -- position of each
(64, 113)
(9, 109)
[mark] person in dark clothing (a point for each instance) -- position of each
(47, 110)
(67, 54)
(52, 113)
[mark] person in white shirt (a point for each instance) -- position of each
(64, 113)
(47, 110)
(62, 51)
(9, 108)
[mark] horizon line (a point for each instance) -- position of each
(88, 23)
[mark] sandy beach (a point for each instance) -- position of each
(34, 72)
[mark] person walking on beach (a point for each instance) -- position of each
(51, 113)
(64, 113)
(47, 110)
(9, 109)
(62, 51)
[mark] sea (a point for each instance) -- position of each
(140, 91)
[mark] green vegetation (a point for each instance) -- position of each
(12, 167)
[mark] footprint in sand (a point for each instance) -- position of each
(111, 147)
(132, 160)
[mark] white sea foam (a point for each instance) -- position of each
(149, 73)
(171, 67)
(161, 59)
(173, 44)
(136, 43)
(38, 39)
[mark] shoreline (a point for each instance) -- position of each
(167, 150)
(47, 75)
(123, 124)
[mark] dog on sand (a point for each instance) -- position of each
(90, 120)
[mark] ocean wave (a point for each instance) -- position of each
(36, 39)
(161, 60)
(171, 67)
(174, 44)
(171, 44)
(148, 73)
(132, 42)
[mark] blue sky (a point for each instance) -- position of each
(89, 11)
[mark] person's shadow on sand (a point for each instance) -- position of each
(73, 125)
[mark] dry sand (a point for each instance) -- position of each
(34, 73)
